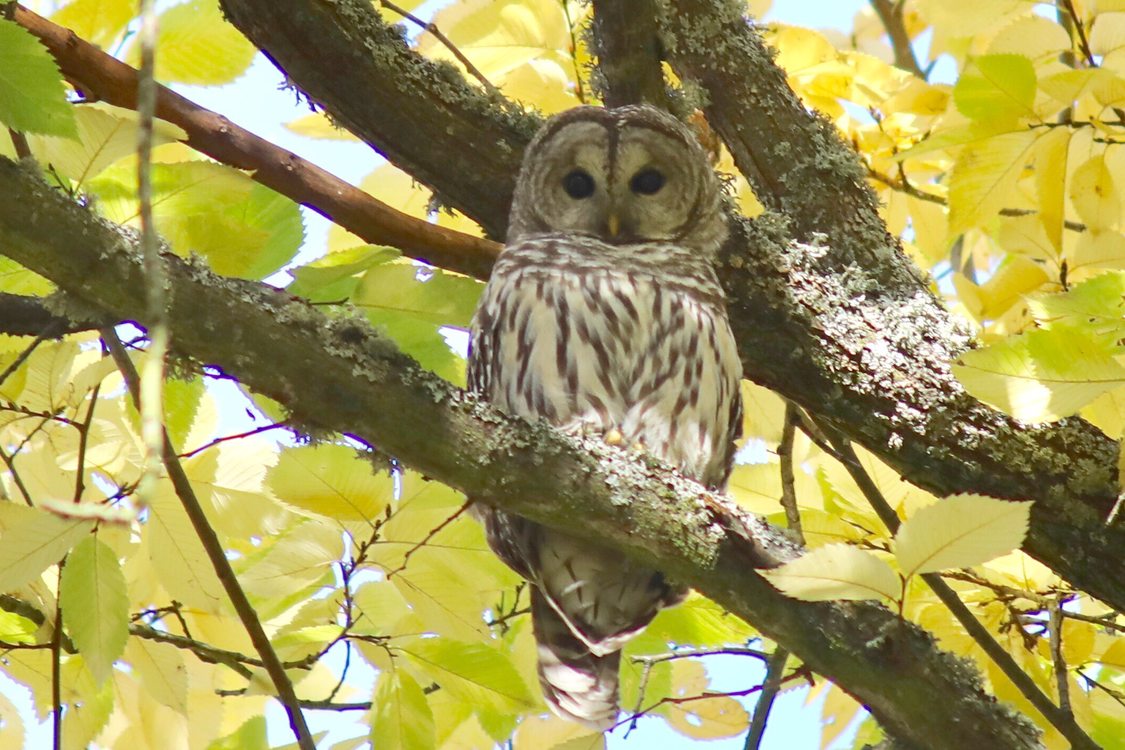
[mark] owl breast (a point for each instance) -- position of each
(629, 341)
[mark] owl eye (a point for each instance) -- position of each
(647, 182)
(578, 184)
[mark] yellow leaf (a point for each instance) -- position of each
(837, 713)
(196, 45)
(1107, 39)
(31, 539)
(317, 125)
(11, 725)
(1015, 278)
(999, 88)
(1036, 37)
(474, 672)
(1097, 250)
(984, 177)
(706, 718)
(836, 571)
(1050, 181)
(177, 555)
(1041, 375)
(960, 532)
(95, 606)
(161, 669)
(1094, 194)
(331, 481)
(99, 22)
(549, 732)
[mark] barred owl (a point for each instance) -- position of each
(604, 316)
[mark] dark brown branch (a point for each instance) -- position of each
(627, 44)
(343, 376)
(890, 14)
(103, 77)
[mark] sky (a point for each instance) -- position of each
(258, 102)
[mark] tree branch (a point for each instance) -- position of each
(890, 14)
(627, 44)
(105, 78)
(343, 376)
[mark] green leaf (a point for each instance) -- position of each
(1042, 375)
(412, 303)
(335, 277)
(32, 539)
(960, 532)
(16, 628)
(95, 605)
(330, 481)
(196, 45)
(105, 134)
(250, 736)
(836, 571)
(32, 95)
(997, 88)
(400, 716)
(1097, 305)
(472, 672)
(242, 228)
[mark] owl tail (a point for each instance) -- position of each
(577, 684)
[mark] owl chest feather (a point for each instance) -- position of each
(597, 346)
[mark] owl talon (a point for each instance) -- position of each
(614, 437)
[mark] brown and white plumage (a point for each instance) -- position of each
(604, 315)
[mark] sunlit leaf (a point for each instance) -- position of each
(196, 45)
(331, 481)
(32, 97)
(701, 717)
(161, 669)
(984, 177)
(474, 672)
(960, 532)
(400, 716)
(996, 87)
(99, 22)
(836, 571)
(32, 539)
(95, 606)
(11, 725)
(1094, 194)
(1041, 375)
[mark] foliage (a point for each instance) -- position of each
(998, 173)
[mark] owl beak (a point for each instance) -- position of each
(613, 224)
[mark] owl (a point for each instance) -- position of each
(604, 316)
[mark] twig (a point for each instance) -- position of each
(56, 667)
(432, 29)
(1062, 720)
(785, 454)
(22, 357)
(890, 13)
(770, 688)
(249, 433)
(691, 653)
(1056, 626)
(1106, 621)
(429, 535)
(1083, 42)
(579, 89)
(10, 462)
(19, 143)
(113, 81)
(217, 555)
(83, 441)
(330, 706)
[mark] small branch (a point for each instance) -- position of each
(1080, 29)
(56, 667)
(1106, 621)
(433, 30)
(774, 671)
(785, 454)
(330, 706)
(218, 558)
(890, 13)
(113, 81)
(10, 462)
(19, 143)
(429, 535)
(83, 441)
(692, 653)
(1056, 626)
(225, 438)
(1062, 720)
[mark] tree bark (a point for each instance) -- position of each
(844, 324)
(340, 375)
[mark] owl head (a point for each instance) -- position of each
(625, 176)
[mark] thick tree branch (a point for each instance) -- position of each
(341, 375)
(103, 77)
(890, 15)
(421, 115)
(848, 330)
(627, 43)
(26, 316)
